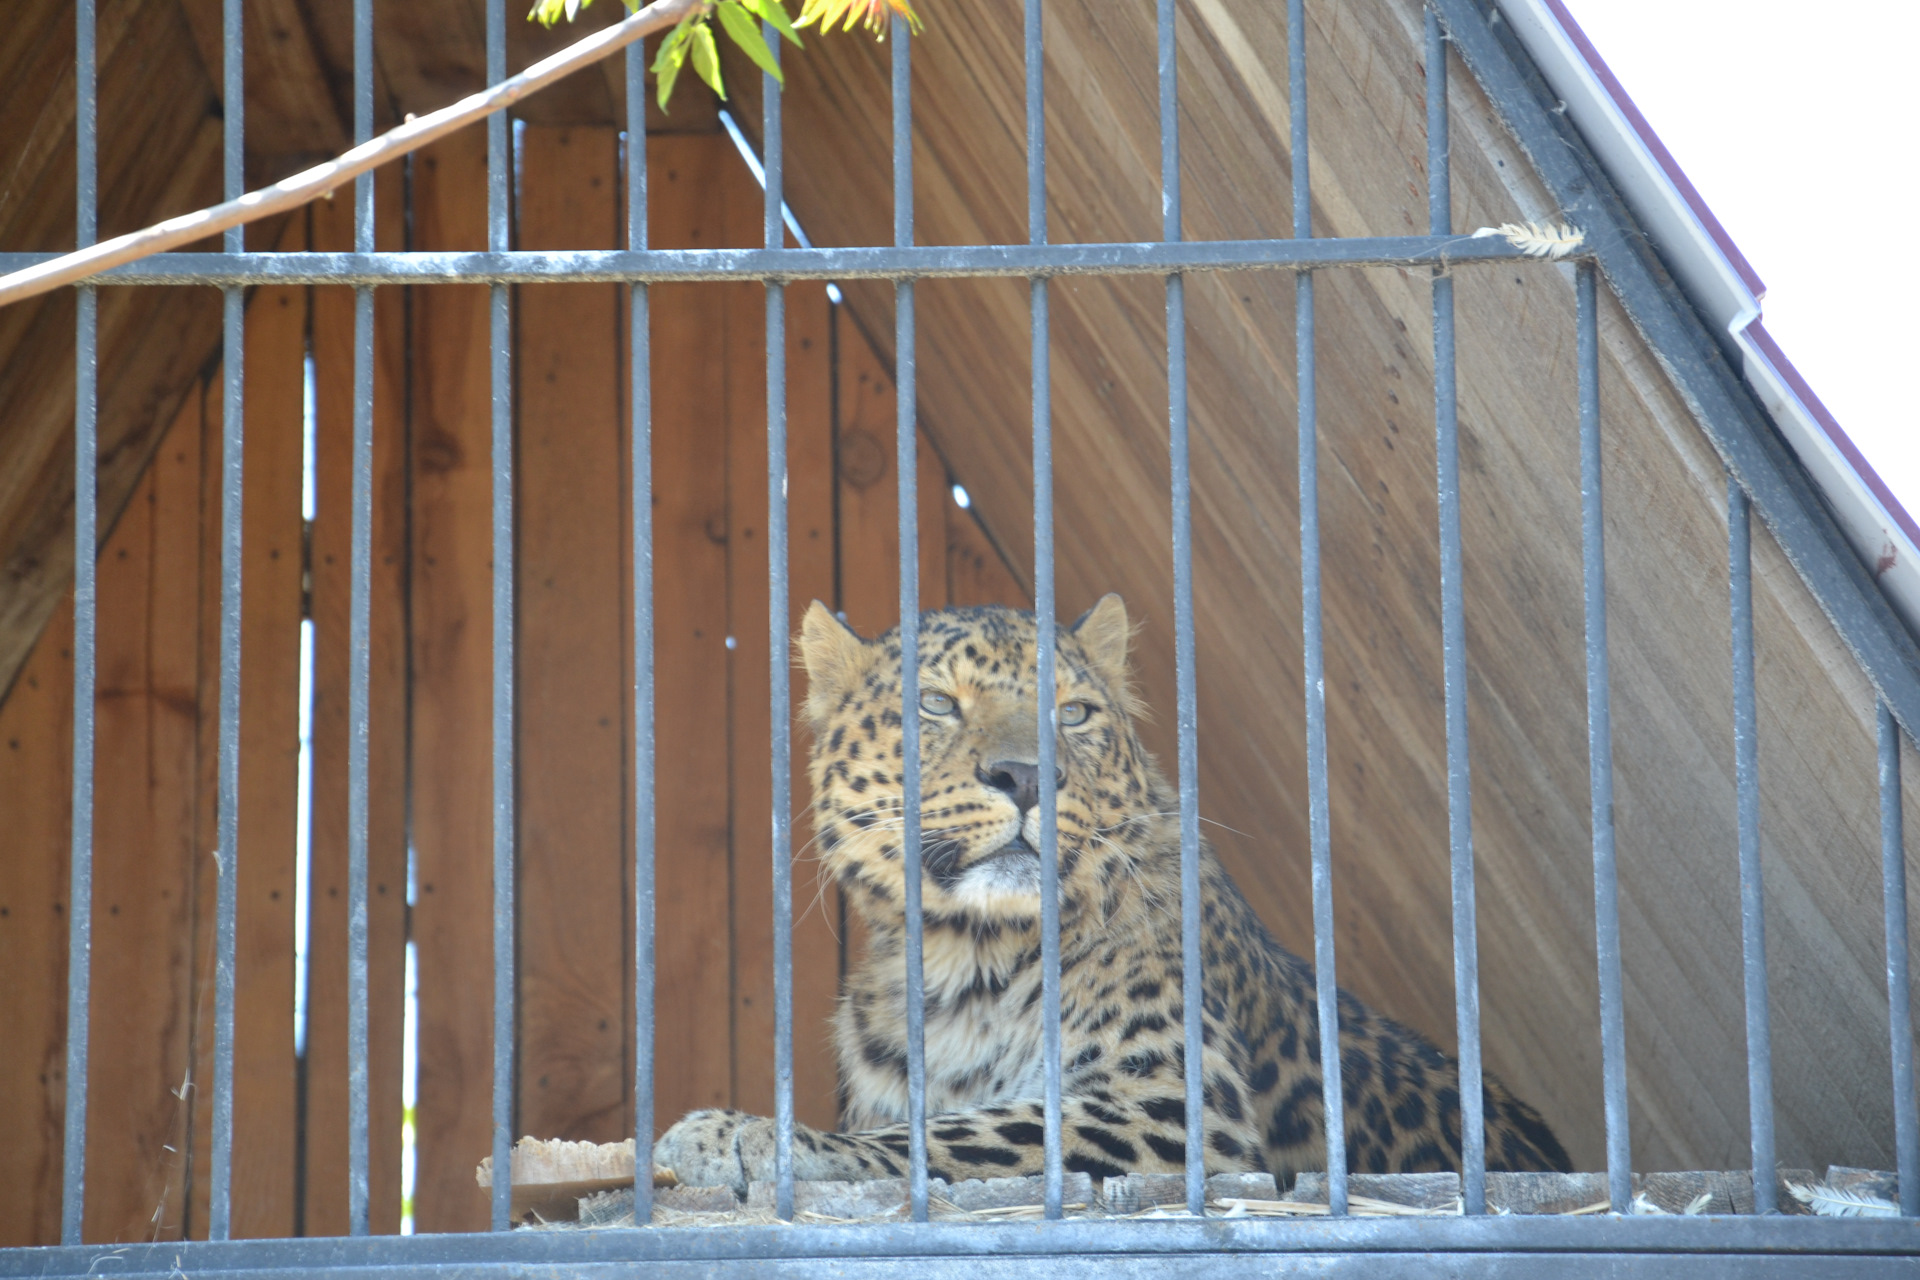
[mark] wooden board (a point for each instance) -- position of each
(692, 1045)
(324, 1118)
(869, 495)
(147, 736)
(574, 614)
(36, 741)
(450, 620)
(272, 555)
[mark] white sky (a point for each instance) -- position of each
(1800, 127)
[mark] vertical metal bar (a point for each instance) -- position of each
(1606, 882)
(359, 639)
(1043, 613)
(1753, 912)
(232, 488)
(1453, 627)
(780, 663)
(499, 160)
(86, 538)
(1319, 827)
(906, 450)
(640, 371)
(1186, 700)
(1893, 871)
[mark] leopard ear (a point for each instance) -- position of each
(834, 656)
(1103, 631)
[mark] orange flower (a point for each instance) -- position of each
(873, 13)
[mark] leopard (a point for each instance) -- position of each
(1118, 857)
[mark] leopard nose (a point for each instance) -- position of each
(1020, 779)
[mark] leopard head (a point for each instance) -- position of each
(979, 751)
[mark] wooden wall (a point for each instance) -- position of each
(431, 708)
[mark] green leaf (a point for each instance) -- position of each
(776, 13)
(706, 59)
(746, 33)
(668, 61)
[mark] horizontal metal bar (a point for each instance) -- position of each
(509, 1253)
(601, 266)
(1196, 1266)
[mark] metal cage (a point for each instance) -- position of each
(1759, 472)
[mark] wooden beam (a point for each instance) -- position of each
(573, 602)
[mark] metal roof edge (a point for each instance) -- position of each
(1724, 288)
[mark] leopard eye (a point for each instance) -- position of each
(1073, 713)
(935, 703)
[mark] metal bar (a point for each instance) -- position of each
(907, 468)
(1753, 911)
(1453, 628)
(359, 650)
(1713, 390)
(780, 663)
(1603, 1244)
(1411, 1264)
(1043, 615)
(86, 540)
(619, 266)
(1186, 700)
(232, 490)
(1606, 881)
(640, 372)
(1319, 825)
(499, 160)
(1893, 871)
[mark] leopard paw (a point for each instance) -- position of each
(704, 1149)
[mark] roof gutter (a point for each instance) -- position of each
(1726, 291)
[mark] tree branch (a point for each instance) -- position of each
(323, 178)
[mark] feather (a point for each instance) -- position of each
(1538, 239)
(1835, 1202)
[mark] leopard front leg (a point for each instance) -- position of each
(733, 1149)
(1116, 1131)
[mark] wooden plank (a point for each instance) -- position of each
(810, 576)
(811, 571)
(265, 1087)
(693, 1041)
(869, 505)
(36, 736)
(575, 881)
(324, 1118)
(976, 571)
(297, 105)
(450, 612)
(271, 607)
(147, 736)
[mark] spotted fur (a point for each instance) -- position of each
(1122, 1041)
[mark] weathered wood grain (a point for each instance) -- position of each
(36, 737)
(272, 556)
(450, 615)
(147, 734)
(810, 569)
(325, 1117)
(572, 603)
(692, 1045)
